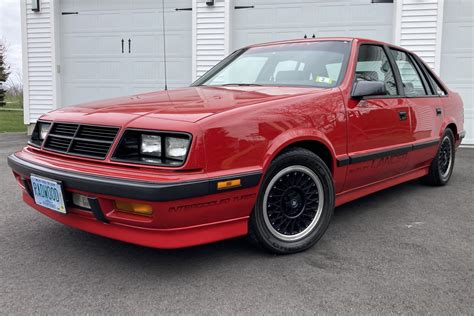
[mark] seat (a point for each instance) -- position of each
(367, 75)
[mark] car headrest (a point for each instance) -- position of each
(367, 75)
(385, 67)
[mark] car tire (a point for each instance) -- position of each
(295, 203)
(441, 167)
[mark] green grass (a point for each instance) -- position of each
(14, 102)
(11, 121)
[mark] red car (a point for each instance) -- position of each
(266, 143)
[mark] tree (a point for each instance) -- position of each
(4, 71)
(15, 87)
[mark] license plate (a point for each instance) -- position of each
(48, 193)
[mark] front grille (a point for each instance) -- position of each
(64, 129)
(81, 140)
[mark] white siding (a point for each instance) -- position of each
(210, 34)
(418, 28)
(38, 60)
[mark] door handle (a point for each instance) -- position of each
(438, 111)
(129, 46)
(403, 115)
(123, 42)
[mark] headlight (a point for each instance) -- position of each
(156, 148)
(176, 148)
(151, 145)
(43, 130)
(39, 133)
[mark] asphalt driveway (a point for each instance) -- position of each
(408, 249)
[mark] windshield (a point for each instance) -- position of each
(315, 64)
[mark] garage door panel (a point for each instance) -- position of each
(328, 14)
(74, 94)
(112, 71)
(93, 64)
(147, 20)
(143, 45)
(177, 45)
(457, 56)
(458, 10)
(462, 66)
(272, 20)
(82, 71)
(147, 71)
(257, 17)
(464, 31)
(75, 45)
(370, 14)
(111, 21)
(331, 32)
(108, 45)
(142, 88)
(248, 38)
(178, 69)
(469, 124)
(381, 33)
(81, 93)
(178, 20)
(285, 15)
(107, 92)
(79, 23)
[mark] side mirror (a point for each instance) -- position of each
(365, 88)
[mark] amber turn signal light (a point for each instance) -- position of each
(222, 185)
(135, 208)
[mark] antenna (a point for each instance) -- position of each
(164, 44)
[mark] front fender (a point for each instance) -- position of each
(291, 137)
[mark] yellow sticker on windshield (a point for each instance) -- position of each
(324, 80)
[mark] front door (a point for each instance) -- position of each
(379, 130)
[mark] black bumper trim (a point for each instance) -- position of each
(386, 153)
(96, 209)
(137, 190)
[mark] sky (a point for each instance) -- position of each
(10, 32)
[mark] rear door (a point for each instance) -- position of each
(425, 109)
(379, 129)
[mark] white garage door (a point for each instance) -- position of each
(114, 48)
(271, 20)
(457, 56)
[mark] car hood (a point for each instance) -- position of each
(187, 104)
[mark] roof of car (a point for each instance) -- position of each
(320, 39)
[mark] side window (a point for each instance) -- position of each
(438, 89)
(373, 65)
(411, 79)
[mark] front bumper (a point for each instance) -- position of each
(137, 190)
(185, 213)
